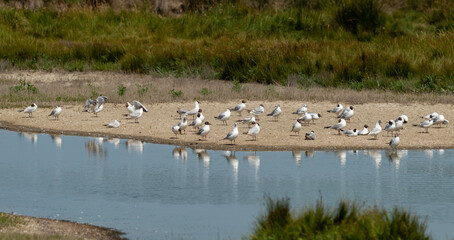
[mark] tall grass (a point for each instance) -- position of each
(350, 44)
(348, 220)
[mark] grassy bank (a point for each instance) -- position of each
(405, 48)
(347, 221)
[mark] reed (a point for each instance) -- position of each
(348, 220)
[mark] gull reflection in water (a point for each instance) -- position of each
(32, 137)
(94, 148)
(376, 155)
(57, 140)
(180, 152)
(297, 156)
(203, 156)
(253, 160)
(233, 161)
(135, 145)
(441, 151)
(395, 156)
(429, 153)
(342, 156)
(114, 141)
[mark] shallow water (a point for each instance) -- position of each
(152, 191)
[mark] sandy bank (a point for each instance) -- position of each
(155, 126)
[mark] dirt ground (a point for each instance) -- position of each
(48, 228)
(155, 126)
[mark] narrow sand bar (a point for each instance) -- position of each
(155, 126)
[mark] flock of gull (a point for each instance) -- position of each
(306, 118)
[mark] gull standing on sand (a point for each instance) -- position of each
(182, 124)
(306, 118)
(394, 141)
(425, 124)
(197, 122)
(338, 109)
(113, 124)
(376, 130)
(254, 131)
(310, 135)
(30, 109)
(257, 111)
(136, 114)
(240, 107)
(347, 114)
(201, 115)
(56, 112)
(439, 119)
(194, 111)
(399, 124)
(135, 106)
(98, 108)
(315, 116)
(224, 116)
(296, 128)
(176, 130)
(341, 123)
(276, 112)
(301, 110)
(233, 134)
(390, 127)
(404, 118)
(204, 131)
(364, 131)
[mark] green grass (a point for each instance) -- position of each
(348, 220)
(388, 48)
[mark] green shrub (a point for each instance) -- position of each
(357, 16)
(347, 221)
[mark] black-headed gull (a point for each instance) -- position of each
(197, 122)
(296, 128)
(300, 110)
(204, 131)
(390, 127)
(195, 110)
(176, 130)
(257, 111)
(399, 124)
(113, 124)
(98, 108)
(136, 114)
(395, 141)
(182, 124)
(201, 115)
(30, 109)
(224, 116)
(56, 112)
(376, 130)
(232, 135)
(248, 119)
(364, 131)
(347, 114)
(306, 118)
(425, 124)
(240, 107)
(310, 135)
(350, 132)
(338, 109)
(341, 123)
(432, 115)
(276, 112)
(439, 119)
(254, 131)
(315, 116)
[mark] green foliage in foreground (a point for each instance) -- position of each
(350, 44)
(347, 221)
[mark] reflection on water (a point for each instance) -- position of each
(57, 140)
(135, 145)
(32, 137)
(94, 148)
(180, 153)
(153, 195)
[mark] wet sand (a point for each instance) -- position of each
(155, 126)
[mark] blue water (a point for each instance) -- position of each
(152, 191)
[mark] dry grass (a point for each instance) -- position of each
(75, 87)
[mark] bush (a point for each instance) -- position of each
(348, 221)
(357, 16)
